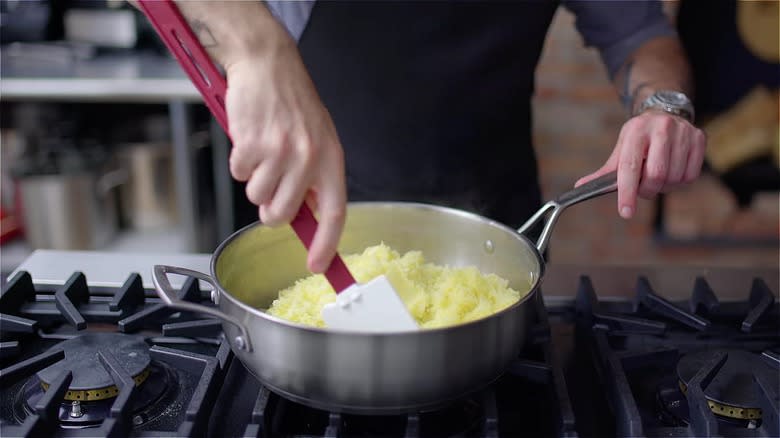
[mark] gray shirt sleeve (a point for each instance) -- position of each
(617, 28)
(294, 15)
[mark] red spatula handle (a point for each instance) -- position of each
(182, 42)
(337, 273)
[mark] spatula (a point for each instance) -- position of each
(371, 307)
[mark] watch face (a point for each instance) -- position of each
(672, 98)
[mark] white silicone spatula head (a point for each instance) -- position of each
(371, 307)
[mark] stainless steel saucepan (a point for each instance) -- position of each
(372, 373)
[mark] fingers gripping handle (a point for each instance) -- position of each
(171, 299)
(196, 62)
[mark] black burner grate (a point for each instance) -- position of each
(637, 347)
(36, 319)
(215, 395)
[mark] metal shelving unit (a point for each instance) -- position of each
(134, 78)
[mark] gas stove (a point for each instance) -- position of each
(88, 349)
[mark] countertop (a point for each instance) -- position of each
(66, 72)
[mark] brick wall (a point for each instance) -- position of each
(577, 117)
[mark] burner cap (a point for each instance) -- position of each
(732, 391)
(91, 380)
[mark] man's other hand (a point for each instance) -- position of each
(656, 152)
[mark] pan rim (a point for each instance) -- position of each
(537, 280)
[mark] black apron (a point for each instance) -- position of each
(431, 100)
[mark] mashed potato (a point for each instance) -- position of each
(436, 296)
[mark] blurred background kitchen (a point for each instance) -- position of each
(106, 146)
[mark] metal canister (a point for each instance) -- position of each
(148, 198)
(70, 211)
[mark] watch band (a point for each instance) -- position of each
(666, 108)
(672, 102)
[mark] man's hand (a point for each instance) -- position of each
(285, 145)
(655, 152)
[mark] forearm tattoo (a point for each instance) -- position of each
(629, 92)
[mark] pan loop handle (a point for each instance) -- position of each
(600, 186)
(168, 295)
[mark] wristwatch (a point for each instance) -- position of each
(672, 102)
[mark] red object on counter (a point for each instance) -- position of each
(182, 42)
(10, 226)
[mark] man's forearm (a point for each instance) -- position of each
(658, 64)
(231, 30)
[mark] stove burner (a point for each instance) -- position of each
(731, 393)
(92, 392)
(151, 400)
(91, 381)
(674, 410)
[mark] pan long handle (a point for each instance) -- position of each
(168, 295)
(600, 186)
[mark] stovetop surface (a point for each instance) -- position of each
(695, 367)
(639, 366)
